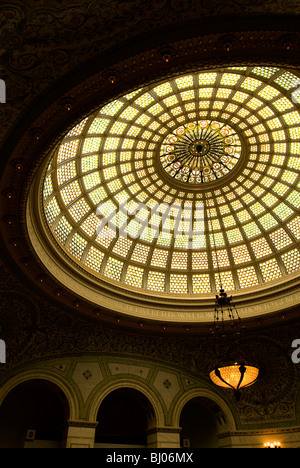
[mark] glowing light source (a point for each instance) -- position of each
(272, 445)
(236, 377)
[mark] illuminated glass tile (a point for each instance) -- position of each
(179, 261)
(48, 187)
(156, 281)
(280, 239)
(295, 148)
(165, 239)
(207, 78)
(268, 93)
(105, 236)
(280, 189)
(79, 209)
(172, 101)
(52, 210)
(247, 277)
(291, 260)
(274, 123)
(134, 276)
(283, 211)
(294, 227)
(66, 172)
(218, 239)
(266, 112)
(111, 143)
(241, 254)
(288, 80)
(220, 258)
(98, 125)
(251, 84)
(92, 180)
(234, 236)
(163, 89)
(129, 113)
(77, 246)
(98, 195)
(113, 268)
(226, 280)
(144, 100)
(140, 253)
(199, 261)
(77, 130)
(205, 93)
(240, 97)
(265, 72)
(292, 118)
(251, 230)
(156, 109)
(112, 108)
(89, 163)
(268, 221)
(148, 234)
(67, 150)
(290, 177)
(295, 133)
(181, 242)
(230, 79)
(178, 284)
(70, 192)
(294, 198)
(94, 259)
(270, 270)
(261, 248)
(62, 230)
(91, 145)
(159, 258)
(201, 284)
(118, 127)
(254, 103)
(269, 199)
(122, 246)
(282, 104)
(199, 241)
(91, 224)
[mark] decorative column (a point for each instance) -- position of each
(80, 434)
(164, 437)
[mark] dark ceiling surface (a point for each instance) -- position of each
(43, 41)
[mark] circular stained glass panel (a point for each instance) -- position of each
(200, 152)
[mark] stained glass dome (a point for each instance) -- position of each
(159, 188)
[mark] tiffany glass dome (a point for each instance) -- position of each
(162, 189)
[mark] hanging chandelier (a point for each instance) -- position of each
(238, 374)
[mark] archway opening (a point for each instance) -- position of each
(124, 417)
(200, 421)
(33, 415)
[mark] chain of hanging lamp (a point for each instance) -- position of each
(225, 309)
(237, 375)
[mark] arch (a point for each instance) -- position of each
(158, 411)
(207, 394)
(66, 389)
(124, 418)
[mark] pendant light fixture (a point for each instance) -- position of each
(238, 374)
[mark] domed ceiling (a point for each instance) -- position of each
(175, 187)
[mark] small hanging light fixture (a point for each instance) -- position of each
(238, 374)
